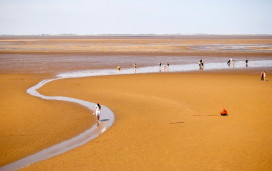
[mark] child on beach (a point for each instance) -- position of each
(263, 76)
(97, 111)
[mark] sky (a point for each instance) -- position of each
(34, 17)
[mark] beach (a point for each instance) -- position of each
(163, 121)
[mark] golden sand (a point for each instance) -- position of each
(29, 124)
(172, 121)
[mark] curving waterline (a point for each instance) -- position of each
(106, 120)
(107, 117)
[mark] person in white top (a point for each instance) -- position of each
(97, 111)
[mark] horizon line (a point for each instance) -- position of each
(148, 34)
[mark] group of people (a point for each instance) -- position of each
(134, 66)
(231, 62)
(164, 67)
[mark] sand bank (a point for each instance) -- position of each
(149, 45)
(173, 121)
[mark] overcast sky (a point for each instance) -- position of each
(22, 17)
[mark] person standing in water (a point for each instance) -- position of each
(97, 111)
(201, 64)
(160, 66)
(167, 66)
(246, 63)
(135, 67)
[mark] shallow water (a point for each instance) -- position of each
(106, 120)
(235, 47)
(20, 63)
(172, 68)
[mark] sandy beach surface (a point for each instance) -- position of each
(163, 121)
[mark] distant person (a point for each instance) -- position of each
(201, 64)
(135, 67)
(246, 63)
(228, 62)
(97, 111)
(160, 66)
(167, 66)
(118, 68)
(231, 62)
(263, 76)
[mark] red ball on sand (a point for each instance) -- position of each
(224, 112)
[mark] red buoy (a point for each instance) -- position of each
(224, 112)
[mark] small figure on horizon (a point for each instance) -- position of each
(160, 66)
(246, 63)
(135, 67)
(201, 64)
(263, 76)
(231, 62)
(118, 68)
(167, 66)
(228, 62)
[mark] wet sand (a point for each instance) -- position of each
(139, 45)
(163, 121)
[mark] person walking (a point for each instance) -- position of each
(263, 76)
(201, 64)
(160, 66)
